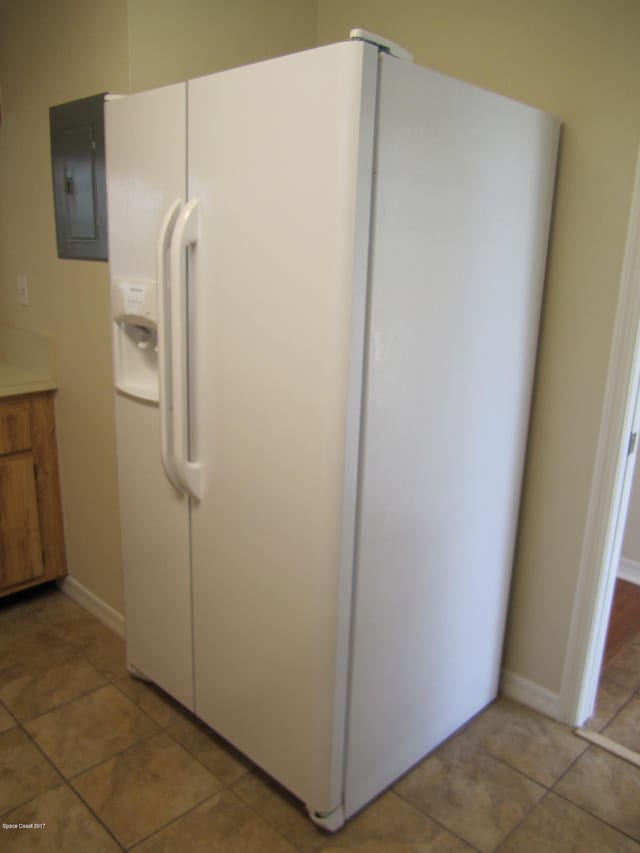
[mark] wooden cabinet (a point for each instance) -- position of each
(31, 533)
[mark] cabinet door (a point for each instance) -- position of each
(20, 546)
(15, 428)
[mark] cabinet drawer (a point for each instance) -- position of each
(15, 427)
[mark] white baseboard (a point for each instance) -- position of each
(530, 694)
(96, 606)
(629, 570)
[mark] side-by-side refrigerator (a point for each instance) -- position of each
(326, 275)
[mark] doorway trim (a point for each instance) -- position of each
(610, 489)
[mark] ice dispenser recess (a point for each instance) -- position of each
(135, 337)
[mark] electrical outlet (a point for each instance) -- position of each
(23, 291)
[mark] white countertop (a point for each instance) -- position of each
(26, 362)
(16, 380)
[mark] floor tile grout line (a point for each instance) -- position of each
(602, 820)
(69, 778)
(261, 775)
(60, 784)
(483, 749)
(172, 821)
(126, 847)
(148, 736)
(79, 645)
(197, 805)
(167, 730)
(225, 785)
(632, 690)
(583, 808)
(528, 776)
(67, 781)
(107, 683)
(263, 818)
(63, 704)
(632, 696)
(563, 726)
(40, 750)
(551, 789)
(159, 731)
(137, 705)
(435, 820)
(95, 816)
(568, 768)
(62, 779)
(522, 820)
(12, 715)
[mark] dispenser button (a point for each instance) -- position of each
(135, 297)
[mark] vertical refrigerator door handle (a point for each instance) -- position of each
(185, 235)
(164, 343)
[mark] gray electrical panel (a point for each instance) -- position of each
(79, 192)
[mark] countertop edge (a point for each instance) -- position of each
(23, 388)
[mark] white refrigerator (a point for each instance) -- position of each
(326, 276)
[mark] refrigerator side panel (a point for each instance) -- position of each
(280, 158)
(461, 216)
(146, 171)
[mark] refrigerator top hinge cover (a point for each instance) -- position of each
(381, 43)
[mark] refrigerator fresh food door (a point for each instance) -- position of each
(462, 208)
(146, 176)
(280, 157)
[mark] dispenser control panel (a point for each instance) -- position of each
(134, 302)
(135, 338)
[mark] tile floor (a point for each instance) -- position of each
(107, 763)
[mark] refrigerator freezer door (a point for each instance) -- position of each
(280, 158)
(462, 207)
(146, 171)
(154, 524)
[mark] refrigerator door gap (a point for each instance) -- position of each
(381, 43)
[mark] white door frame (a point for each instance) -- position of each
(610, 489)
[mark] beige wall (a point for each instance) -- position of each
(51, 52)
(578, 59)
(174, 40)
